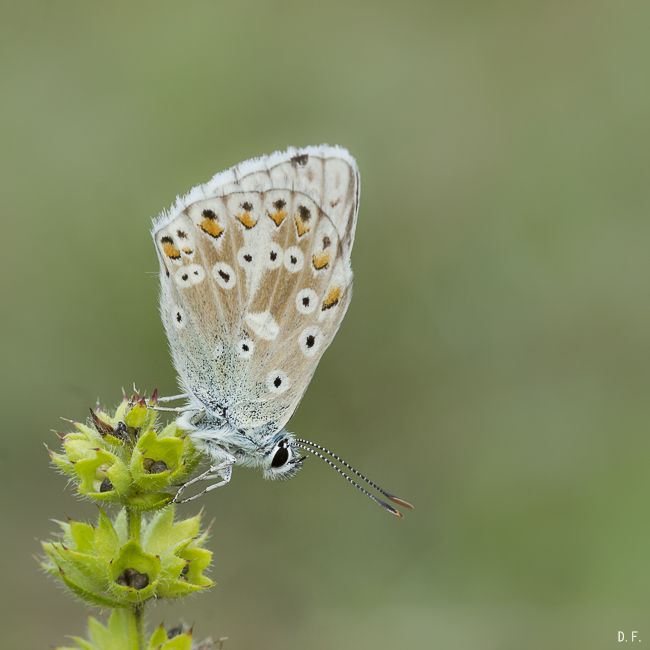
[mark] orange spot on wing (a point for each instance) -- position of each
(301, 226)
(246, 220)
(320, 260)
(210, 226)
(170, 250)
(278, 216)
(332, 298)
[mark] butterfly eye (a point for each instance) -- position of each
(281, 456)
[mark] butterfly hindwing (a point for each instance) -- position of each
(256, 279)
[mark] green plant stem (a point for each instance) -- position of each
(138, 613)
(134, 519)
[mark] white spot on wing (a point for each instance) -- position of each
(178, 317)
(245, 257)
(224, 275)
(273, 256)
(245, 348)
(263, 324)
(293, 259)
(310, 341)
(306, 301)
(189, 275)
(277, 382)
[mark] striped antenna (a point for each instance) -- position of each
(310, 447)
(388, 495)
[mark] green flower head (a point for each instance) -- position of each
(125, 458)
(103, 566)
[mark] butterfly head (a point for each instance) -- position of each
(282, 458)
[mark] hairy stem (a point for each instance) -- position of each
(134, 519)
(138, 612)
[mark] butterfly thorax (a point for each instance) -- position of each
(222, 442)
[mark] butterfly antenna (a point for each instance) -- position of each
(388, 495)
(349, 479)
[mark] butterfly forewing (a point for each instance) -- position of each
(256, 280)
(328, 175)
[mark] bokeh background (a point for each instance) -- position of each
(493, 367)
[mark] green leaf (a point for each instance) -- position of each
(77, 447)
(107, 541)
(119, 633)
(158, 637)
(82, 536)
(160, 640)
(140, 416)
(162, 534)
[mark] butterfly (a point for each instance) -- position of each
(255, 279)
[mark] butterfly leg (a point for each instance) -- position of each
(223, 471)
(214, 471)
(169, 409)
(173, 398)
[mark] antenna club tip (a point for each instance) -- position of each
(401, 502)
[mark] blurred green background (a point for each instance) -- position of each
(493, 366)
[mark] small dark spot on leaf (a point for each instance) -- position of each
(106, 486)
(174, 631)
(154, 466)
(121, 431)
(133, 578)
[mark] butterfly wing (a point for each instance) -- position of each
(256, 278)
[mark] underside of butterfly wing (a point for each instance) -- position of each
(255, 280)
